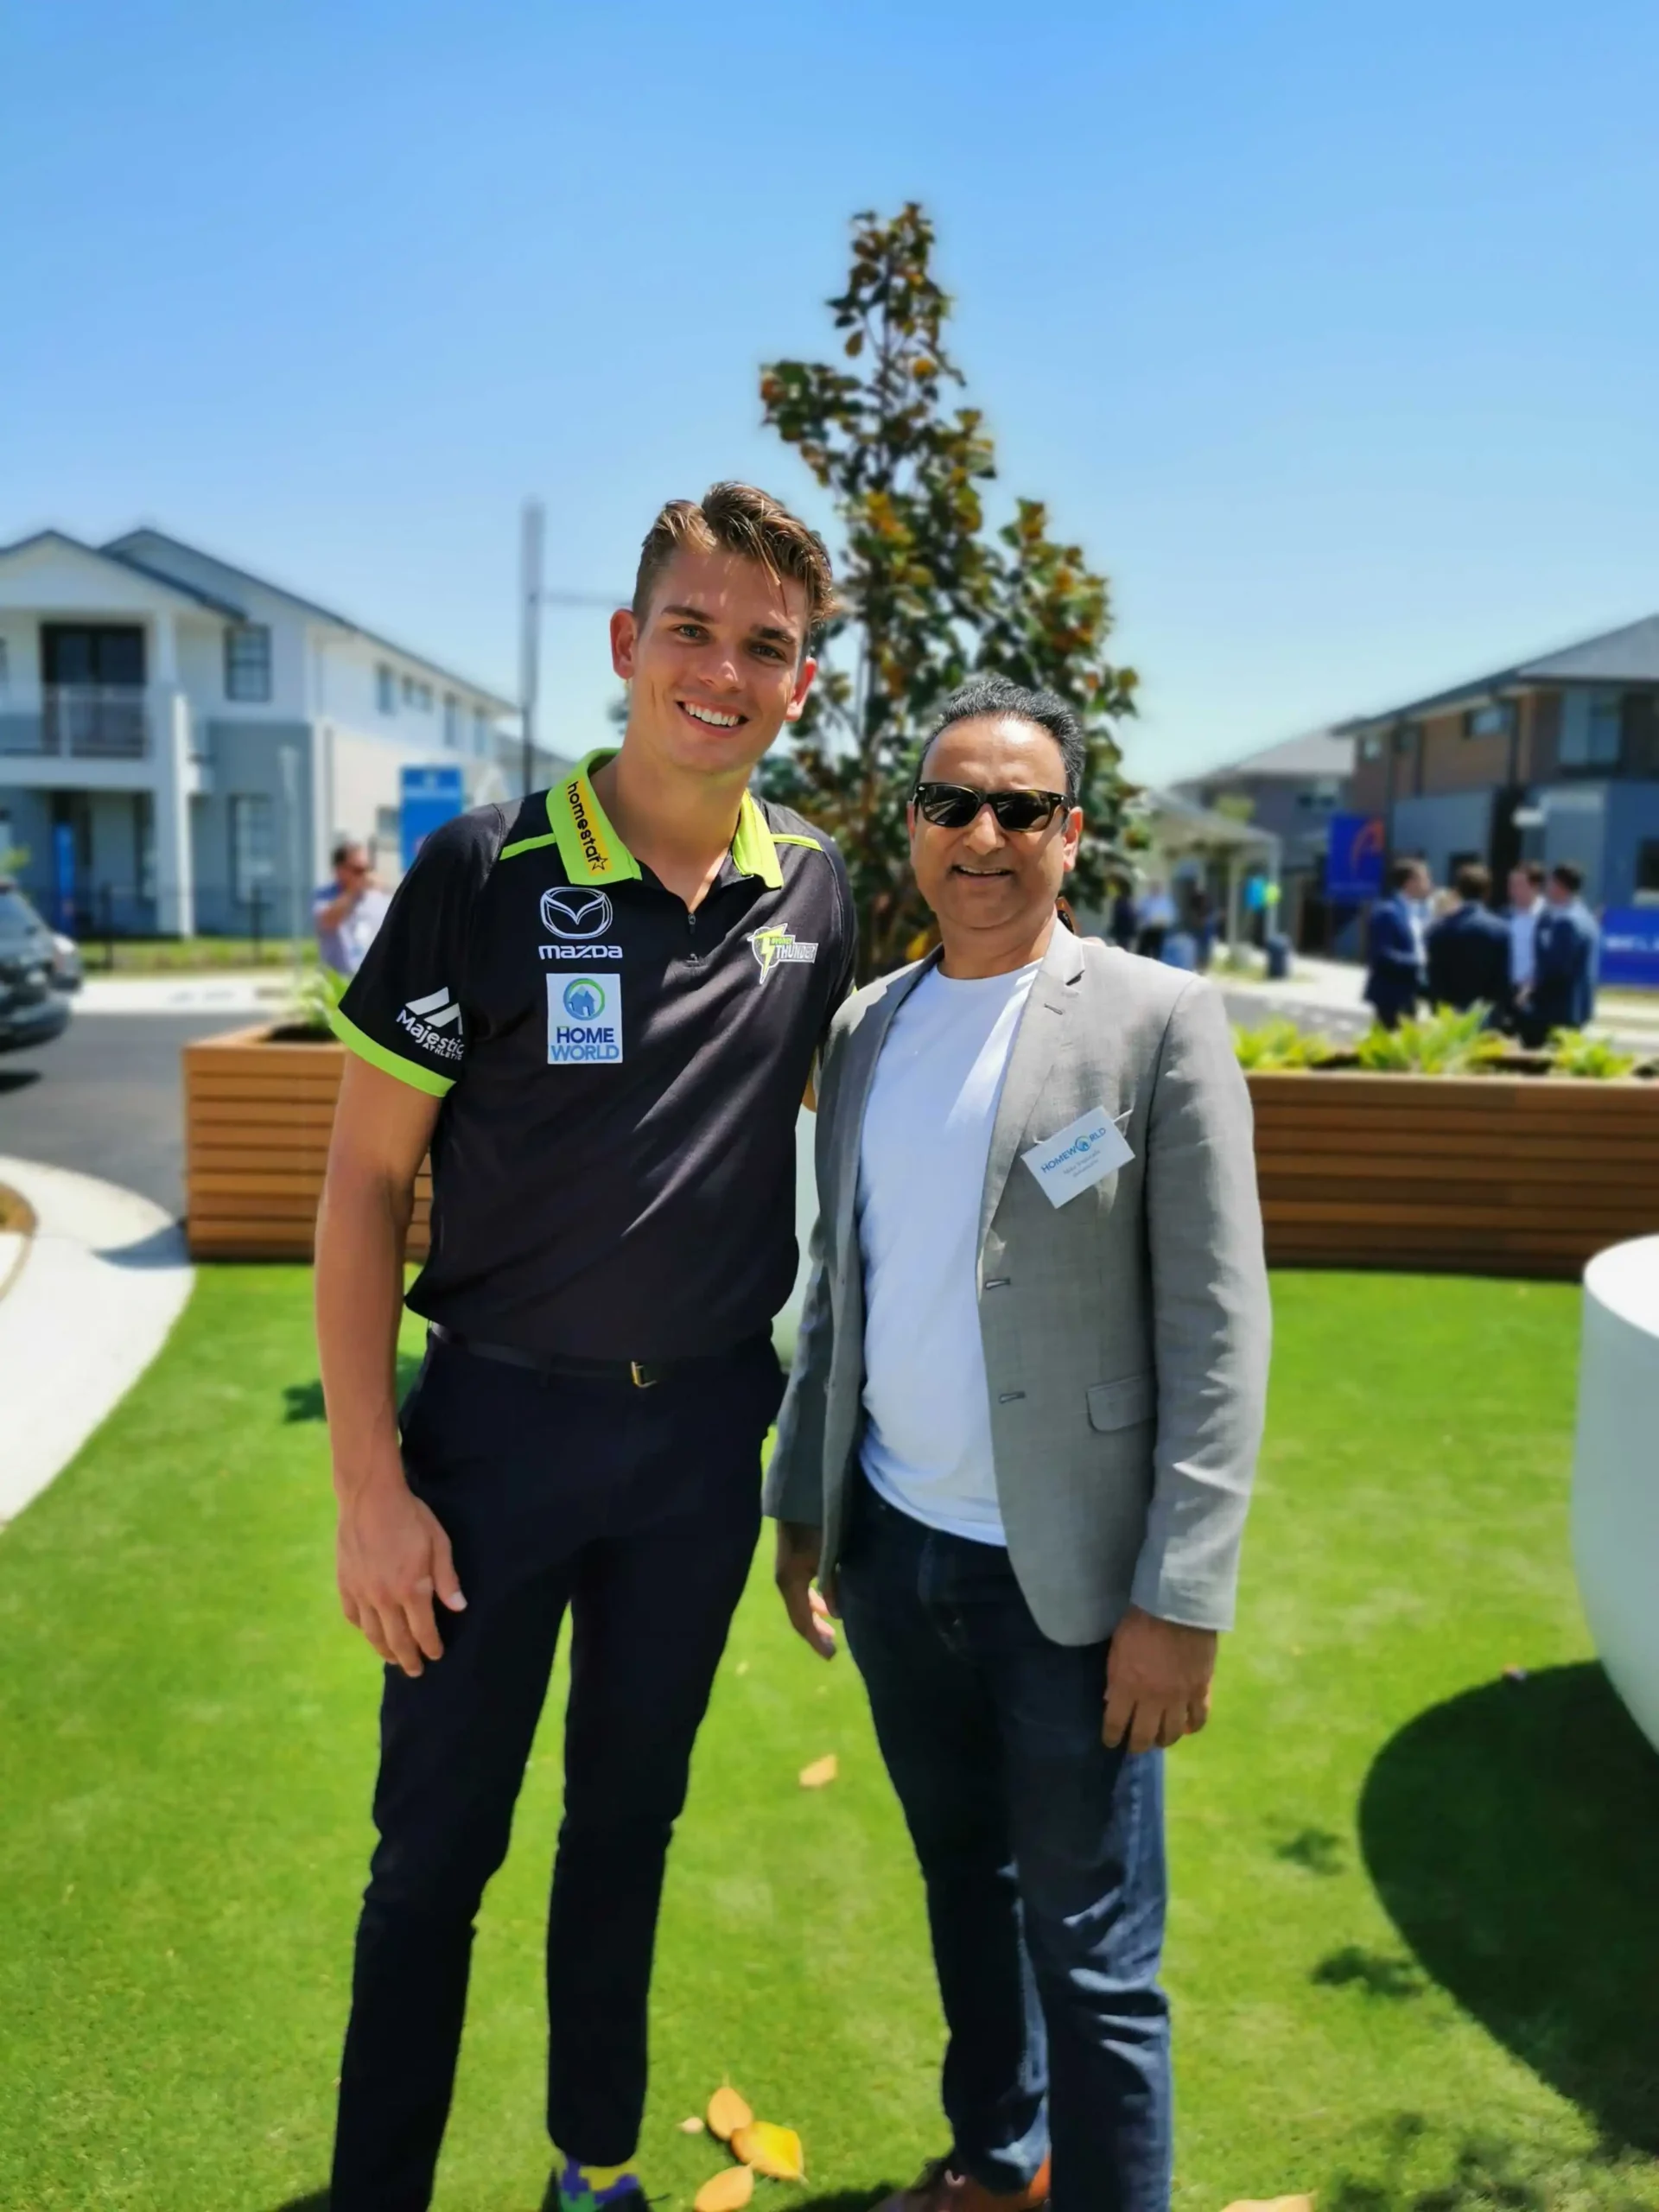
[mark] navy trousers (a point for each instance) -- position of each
(1042, 1853)
(636, 1511)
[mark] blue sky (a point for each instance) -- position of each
(1330, 329)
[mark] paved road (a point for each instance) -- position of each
(104, 1098)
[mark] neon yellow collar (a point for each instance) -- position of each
(593, 852)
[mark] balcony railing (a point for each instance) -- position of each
(82, 721)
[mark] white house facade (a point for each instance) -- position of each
(182, 744)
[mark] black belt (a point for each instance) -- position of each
(642, 1374)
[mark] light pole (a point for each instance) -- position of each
(530, 632)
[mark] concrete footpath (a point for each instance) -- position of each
(85, 1307)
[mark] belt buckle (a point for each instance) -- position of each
(641, 1379)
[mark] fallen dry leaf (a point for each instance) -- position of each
(726, 2114)
(820, 1772)
(727, 2192)
(774, 2152)
(692, 2126)
(1273, 2204)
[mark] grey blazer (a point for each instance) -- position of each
(1126, 1333)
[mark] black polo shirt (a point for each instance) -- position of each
(613, 1163)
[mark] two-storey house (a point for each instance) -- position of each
(182, 743)
(1555, 758)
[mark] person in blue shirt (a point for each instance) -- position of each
(1469, 951)
(1393, 981)
(1564, 956)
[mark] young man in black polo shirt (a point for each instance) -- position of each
(599, 1009)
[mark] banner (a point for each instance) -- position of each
(1353, 860)
(428, 798)
(1629, 945)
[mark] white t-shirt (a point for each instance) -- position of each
(926, 1137)
(1523, 940)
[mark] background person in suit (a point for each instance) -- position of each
(1469, 951)
(1394, 980)
(1018, 1445)
(1526, 903)
(1563, 955)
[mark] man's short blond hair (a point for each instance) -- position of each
(740, 519)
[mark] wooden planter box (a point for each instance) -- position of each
(1493, 1174)
(256, 1117)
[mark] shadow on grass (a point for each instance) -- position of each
(303, 1402)
(1510, 1834)
(1484, 2173)
(843, 2199)
(1374, 1973)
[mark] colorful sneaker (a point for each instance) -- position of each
(573, 2187)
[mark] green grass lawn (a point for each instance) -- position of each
(1416, 1934)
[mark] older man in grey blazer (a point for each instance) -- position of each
(1018, 1445)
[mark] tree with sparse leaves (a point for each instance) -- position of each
(929, 593)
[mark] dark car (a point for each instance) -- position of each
(34, 1006)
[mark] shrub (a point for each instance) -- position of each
(315, 993)
(1445, 1042)
(1573, 1052)
(1280, 1045)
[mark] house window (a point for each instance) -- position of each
(452, 721)
(1647, 870)
(1591, 729)
(1370, 748)
(480, 733)
(423, 697)
(247, 661)
(1407, 735)
(253, 846)
(388, 836)
(385, 688)
(1495, 719)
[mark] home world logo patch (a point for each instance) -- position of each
(778, 948)
(584, 1020)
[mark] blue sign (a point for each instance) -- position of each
(63, 856)
(1353, 861)
(428, 798)
(1630, 946)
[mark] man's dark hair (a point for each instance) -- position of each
(1400, 873)
(1569, 875)
(344, 850)
(1000, 695)
(1472, 881)
(1534, 872)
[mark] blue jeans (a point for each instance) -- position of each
(1043, 1856)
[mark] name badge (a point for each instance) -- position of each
(1077, 1156)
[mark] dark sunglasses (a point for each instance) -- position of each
(953, 806)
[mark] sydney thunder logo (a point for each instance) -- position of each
(777, 946)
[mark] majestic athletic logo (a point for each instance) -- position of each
(572, 909)
(426, 1018)
(778, 946)
(584, 1019)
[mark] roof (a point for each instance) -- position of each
(194, 593)
(1178, 825)
(117, 549)
(1630, 655)
(1317, 752)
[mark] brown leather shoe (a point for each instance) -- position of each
(939, 2189)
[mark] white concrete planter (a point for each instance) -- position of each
(1616, 1472)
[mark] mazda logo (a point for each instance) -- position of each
(572, 911)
